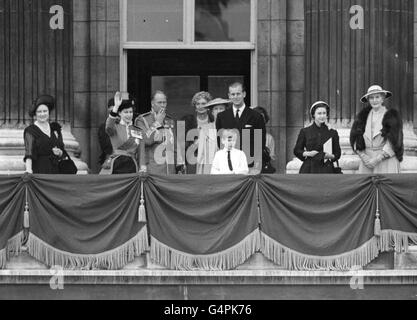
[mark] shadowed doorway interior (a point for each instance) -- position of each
(182, 73)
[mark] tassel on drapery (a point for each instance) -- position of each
(293, 260)
(142, 210)
(377, 224)
(225, 260)
(111, 260)
(26, 224)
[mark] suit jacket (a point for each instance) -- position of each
(249, 120)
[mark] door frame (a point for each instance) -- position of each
(190, 44)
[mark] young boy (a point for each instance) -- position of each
(230, 160)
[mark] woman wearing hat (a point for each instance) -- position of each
(127, 141)
(377, 134)
(207, 141)
(310, 147)
(44, 146)
(193, 124)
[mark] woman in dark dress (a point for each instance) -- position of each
(310, 143)
(44, 146)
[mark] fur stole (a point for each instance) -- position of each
(392, 130)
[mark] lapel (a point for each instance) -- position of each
(229, 118)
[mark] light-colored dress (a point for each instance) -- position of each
(270, 144)
(207, 148)
(375, 145)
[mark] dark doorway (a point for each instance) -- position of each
(182, 73)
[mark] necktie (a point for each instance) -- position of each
(229, 161)
(237, 118)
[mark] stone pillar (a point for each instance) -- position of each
(341, 63)
(296, 71)
(272, 71)
(37, 60)
(96, 70)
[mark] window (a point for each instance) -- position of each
(156, 20)
(194, 34)
(222, 20)
(182, 73)
(191, 23)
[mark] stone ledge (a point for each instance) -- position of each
(166, 277)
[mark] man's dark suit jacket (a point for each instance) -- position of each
(250, 119)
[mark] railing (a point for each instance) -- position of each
(301, 222)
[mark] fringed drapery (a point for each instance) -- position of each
(202, 222)
(292, 260)
(111, 260)
(225, 260)
(302, 222)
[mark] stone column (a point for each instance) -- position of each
(96, 70)
(37, 59)
(341, 63)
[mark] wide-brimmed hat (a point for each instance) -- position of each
(44, 99)
(374, 90)
(318, 104)
(216, 102)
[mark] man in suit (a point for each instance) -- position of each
(248, 122)
(160, 139)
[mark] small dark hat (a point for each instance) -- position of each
(126, 104)
(45, 99)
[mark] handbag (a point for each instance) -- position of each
(67, 165)
(337, 169)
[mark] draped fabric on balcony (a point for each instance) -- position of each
(85, 222)
(302, 222)
(200, 222)
(318, 222)
(12, 206)
(398, 208)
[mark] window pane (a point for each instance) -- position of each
(155, 20)
(180, 90)
(218, 86)
(222, 20)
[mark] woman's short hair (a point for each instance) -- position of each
(262, 111)
(201, 95)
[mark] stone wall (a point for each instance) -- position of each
(281, 71)
(96, 70)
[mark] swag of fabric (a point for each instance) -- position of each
(333, 223)
(86, 222)
(303, 222)
(12, 206)
(202, 223)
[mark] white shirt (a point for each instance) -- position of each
(242, 108)
(238, 159)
